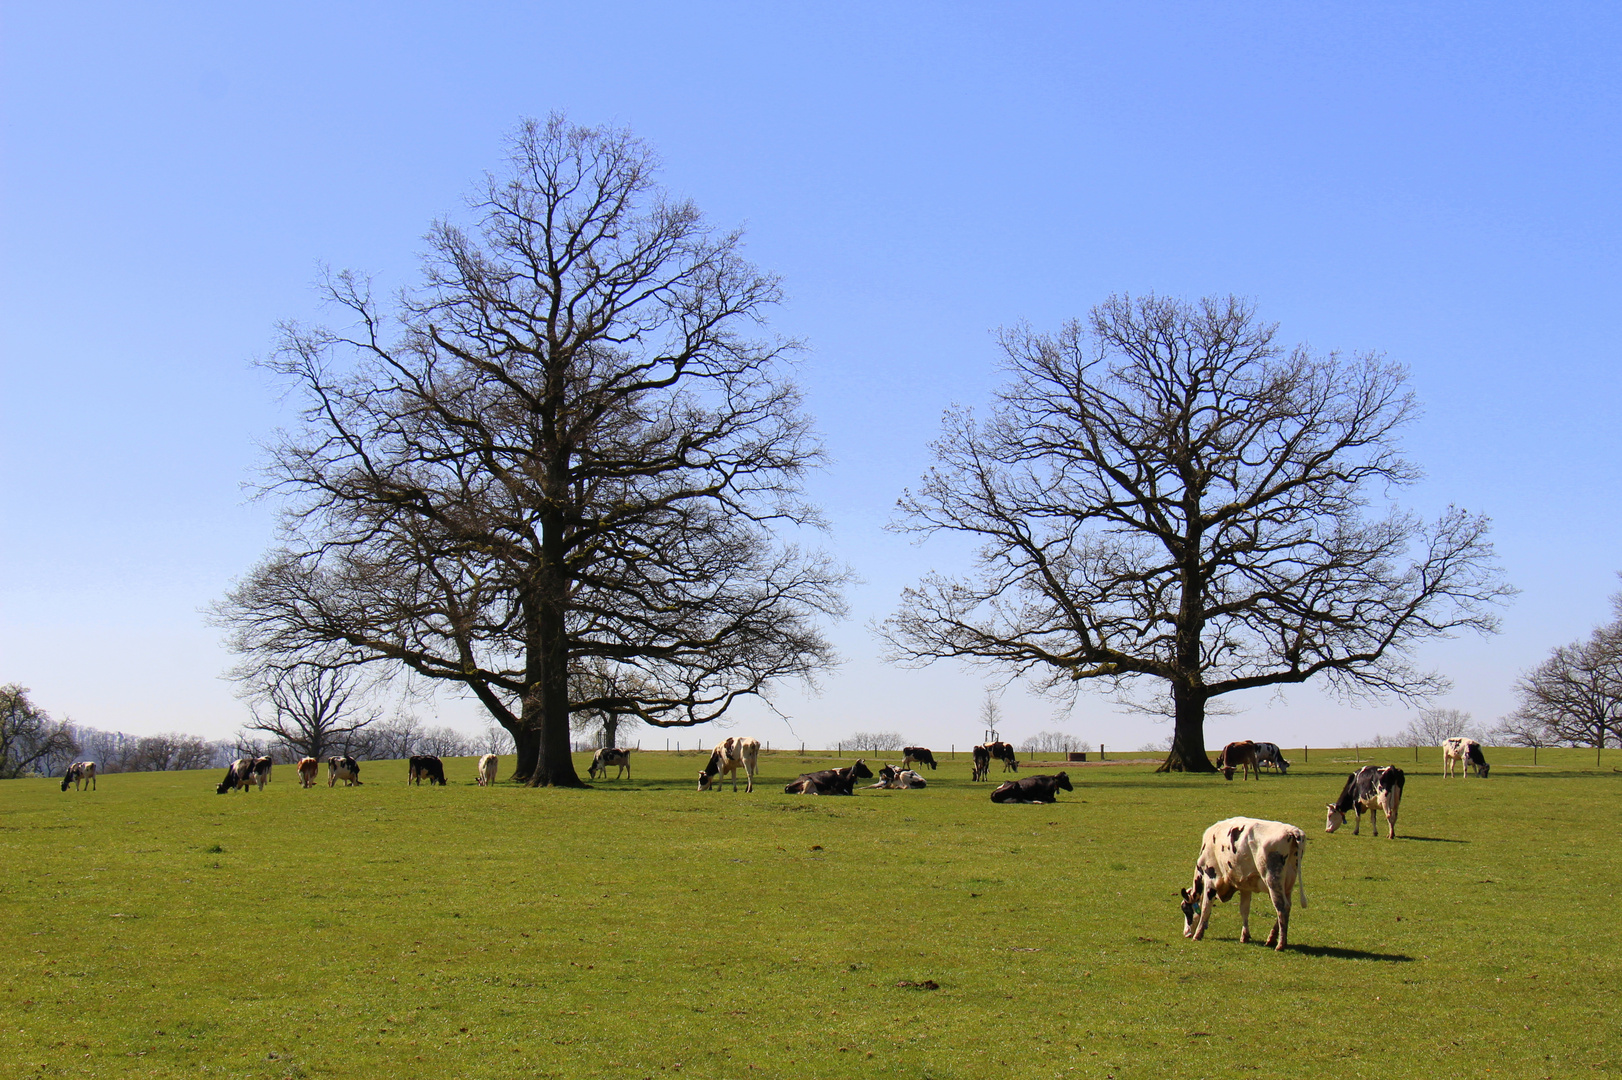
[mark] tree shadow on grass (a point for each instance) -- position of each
(1434, 839)
(1336, 953)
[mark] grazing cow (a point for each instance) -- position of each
(610, 757)
(1031, 789)
(487, 770)
(239, 775)
(1268, 754)
(308, 767)
(1246, 855)
(830, 781)
(1366, 789)
(898, 779)
(1467, 751)
(78, 773)
(919, 754)
(1239, 755)
(1004, 752)
(982, 764)
(260, 771)
(343, 768)
(730, 755)
(425, 767)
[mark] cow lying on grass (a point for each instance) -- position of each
(899, 779)
(1246, 855)
(829, 781)
(1366, 789)
(1032, 789)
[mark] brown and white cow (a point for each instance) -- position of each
(918, 754)
(731, 754)
(343, 768)
(308, 768)
(1239, 755)
(1366, 790)
(1246, 855)
(610, 757)
(78, 773)
(487, 770)
(1466, 751)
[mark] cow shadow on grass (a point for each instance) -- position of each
(1335, 952)
(1434, 839)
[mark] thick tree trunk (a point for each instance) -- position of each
(1188, 738)
(546, 706)
(527, 745)
(611, 730)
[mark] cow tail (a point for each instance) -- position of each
(1300, 857)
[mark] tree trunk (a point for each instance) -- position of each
(527, 747)
(611, 729)
(1188, 739)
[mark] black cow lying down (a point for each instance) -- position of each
(829, 781)
(1032, 789)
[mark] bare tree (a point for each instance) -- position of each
(614, 689)
(171, 752)
(1051, 742)
(30, 741)
(990, 714)
(1432, 726)
(495, 740)
(1575, 696)
(311, 710)
(1518, 729)
(873, 742)
(564, 445)
(444, 742)
(398, 737)
(1164, 492)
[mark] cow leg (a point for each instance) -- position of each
(1207, 899)
(1244, 918)
(1281, 905)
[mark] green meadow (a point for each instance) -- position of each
(641, 929)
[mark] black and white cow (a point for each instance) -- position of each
(1270, 756)
(898, 779)
(1368, 789)
(239, 775)
(259, 772)
(425, 767)
(1004, 752)
(78, 774)
(1246, 855)
(982, 763)
(1467, 751)
(918, 754)
(343, 768)
(731, 754)
(1032, 789)
(829, 781)
(610, 757)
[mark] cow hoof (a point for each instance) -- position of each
(1244, 937)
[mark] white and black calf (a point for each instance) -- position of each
(78, 774)
(830, 781)
(1032, 789)
(899, 779)
(1246, 855)
(1464, 751)
(610, 757)
(1366, 790)
(343, 768)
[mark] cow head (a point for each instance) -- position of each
(1481, 769)
(1335, 819)
(704, 779)
(860, 770)
(1064, 781)
(1227, 772)
(1191, 911)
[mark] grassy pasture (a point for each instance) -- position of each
(640, 929)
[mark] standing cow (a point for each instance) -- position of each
(1268, 754)
(1246, 855)
(916, 754)
(610, 757)
(78, 774)
(730, 755)
(981, 765)
(1239, 755)
(487, 770)
(239, 775)
(308, 768)
(1465, 751)
(1365, 790)
(343, 768)
(425, 767)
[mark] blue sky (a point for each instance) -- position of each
(1438, 182)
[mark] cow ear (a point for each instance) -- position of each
(1184, 892)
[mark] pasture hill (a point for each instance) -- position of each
(641, 929)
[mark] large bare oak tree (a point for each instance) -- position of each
(572, 448)
(1164, 492)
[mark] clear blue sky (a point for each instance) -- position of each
(1436, 181)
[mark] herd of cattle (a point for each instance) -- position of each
(1237, 855)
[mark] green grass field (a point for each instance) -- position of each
(640, 929)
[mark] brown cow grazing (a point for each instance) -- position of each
(730, 755)
(610, 757)
(308, 767)
(982, 764)
(1366, 789)
(1239, 755)
(78, 773)
(1032, 789)
(919, 754)
(239, 775)
(830, 781)
(343, 768)
(1246, 855)
(487, 770)
(425, 767)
